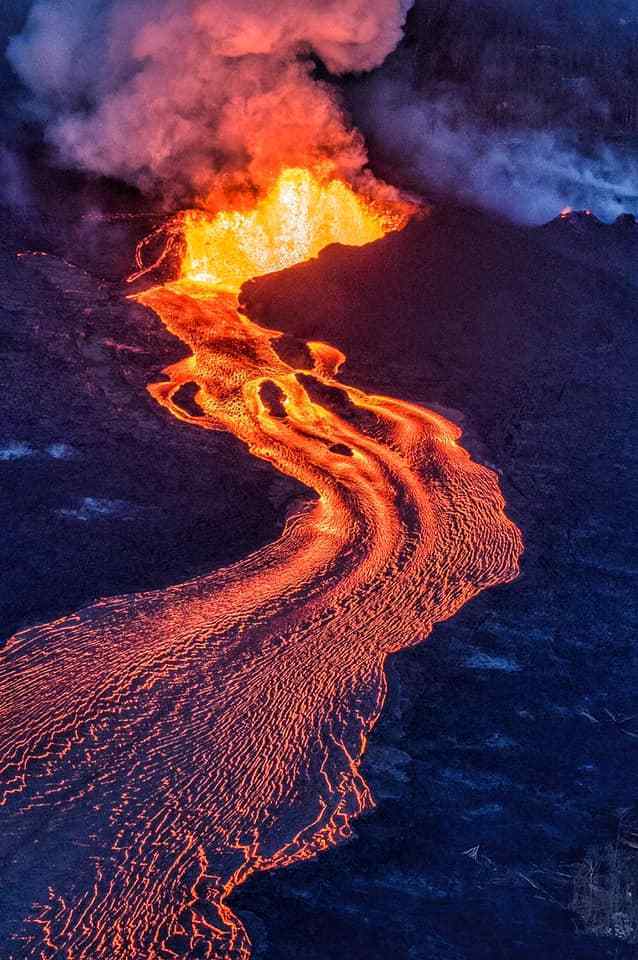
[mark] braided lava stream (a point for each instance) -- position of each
(158, 748)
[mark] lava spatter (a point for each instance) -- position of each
(168, 744)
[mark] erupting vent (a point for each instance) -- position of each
(298, 218)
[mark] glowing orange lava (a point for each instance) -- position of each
(177, 741)
(295, 221)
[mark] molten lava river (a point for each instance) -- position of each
(156, 749)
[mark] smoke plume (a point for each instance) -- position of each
(177, 96)
(436, 145)
(524, 107)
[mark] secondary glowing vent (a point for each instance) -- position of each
(298, 217)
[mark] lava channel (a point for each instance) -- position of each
(156, 749)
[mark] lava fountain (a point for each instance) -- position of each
(174, 742)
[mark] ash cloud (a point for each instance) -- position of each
(178, 96)
(523, 108)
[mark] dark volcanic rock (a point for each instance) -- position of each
(505, 750)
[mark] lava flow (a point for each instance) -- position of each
(163, 746)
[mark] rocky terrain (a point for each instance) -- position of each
(508, 749)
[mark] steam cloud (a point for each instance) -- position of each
(174, 95)
(521, 106)
(527, 175)
(504, 104)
